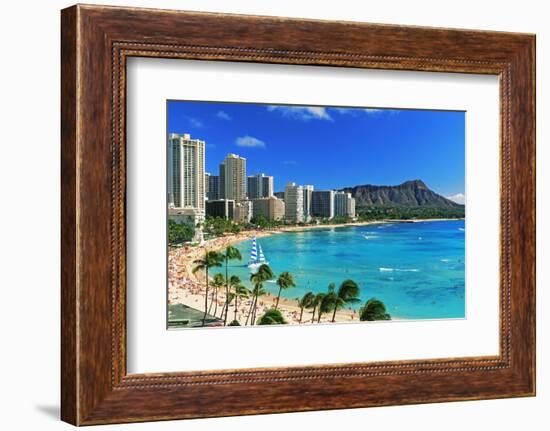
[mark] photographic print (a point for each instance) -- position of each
(305, 215)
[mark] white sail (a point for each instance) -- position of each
(253, 252)
(262, 257)
(257, 257)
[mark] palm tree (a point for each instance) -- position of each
(374, 309)
(305, 302)
(211, 259)
(229, 254)
(263, 274)
(257, 291)
(348, 293)
(217, 282)
(228, 302)
(285, 281)
(315, 304)
(272, 317)
(233, 282)
(326, 302)
(241, 293)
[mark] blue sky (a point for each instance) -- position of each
(330, 147)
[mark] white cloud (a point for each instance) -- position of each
(250, 142)
(459, 198)
(195, 122)
(347, 111)
(375, 111)
(223, 115)
(367, 111)
(321, 113)
(304, 113)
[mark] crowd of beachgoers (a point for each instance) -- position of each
(189, 288)
(187, 285)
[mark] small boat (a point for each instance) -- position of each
(257, 257)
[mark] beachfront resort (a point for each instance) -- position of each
(218, 272)
(194, 196)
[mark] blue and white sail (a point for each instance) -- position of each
(257, 257)
(261, 258)
(253, 252)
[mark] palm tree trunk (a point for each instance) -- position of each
(205, 299)
(226, 289)
(313, 315)
(211, 300)
(215, 295)
(223, 308)
(253, 318)
(301, 314)
(249, 312)
(254, 311)
(334, 313)
(236, 303)
(319, 319)
(278, 296)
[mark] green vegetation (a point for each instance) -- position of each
(229, 299)
(348, 293)
(217, 283)
(241, 292)
(305, 301)
(313, 304)
(325, 303)
(285, 281)
(178, 233)
(374, 309)
(371, 213)
(272, 317)
(336, 220)
(217, 226)
(263, 223)
(333, 300)
(211, 259)
(321, 303)
(230, 253)
(264, 274)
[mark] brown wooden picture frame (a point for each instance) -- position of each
(95, 43)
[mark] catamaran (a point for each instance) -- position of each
(257, 257)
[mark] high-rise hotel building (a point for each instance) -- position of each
(344, 204)
(232, 182)
(260, 186)
(186, 176)
(322, 203)
(271, 208)
(294, 203)
(308, 193)
(212, 187)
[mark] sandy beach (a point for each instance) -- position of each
(189, 289)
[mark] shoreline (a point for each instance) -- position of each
(187, 288)
(194, 297)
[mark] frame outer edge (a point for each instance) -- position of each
(529, 61)
(69, 211)
(533, 54)
(523, 216)
(87, 395)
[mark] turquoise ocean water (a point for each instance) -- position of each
(417, 269)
